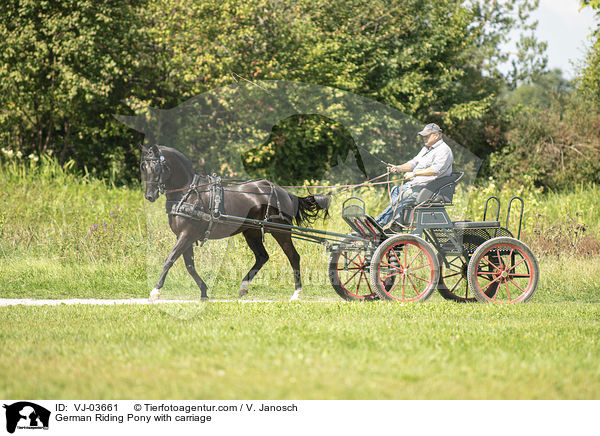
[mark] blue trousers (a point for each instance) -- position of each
(398, 201)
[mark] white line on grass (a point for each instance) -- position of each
(106, 302)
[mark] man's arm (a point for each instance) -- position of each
(406, 168)
(424, 172)
(400, 168)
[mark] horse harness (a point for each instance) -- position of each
(164, 171)
(197, 210)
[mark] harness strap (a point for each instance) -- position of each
(192, 188)
(215, 204)
(262, 228)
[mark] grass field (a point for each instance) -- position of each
(63, 236)
(302, 351)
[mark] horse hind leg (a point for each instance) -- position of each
(254, 241)
(188, 257)
(285, 242)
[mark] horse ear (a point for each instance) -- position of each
(143, 148)
(155, 150)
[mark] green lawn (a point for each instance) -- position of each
(562, 279)
(435, 350)
(67, 237)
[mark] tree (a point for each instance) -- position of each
(548, 89)
(553, 139)
(589, 79)
(434, 60)
(592, 3)
(64, 69)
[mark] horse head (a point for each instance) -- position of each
(155, 171)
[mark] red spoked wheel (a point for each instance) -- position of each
(503, 270)
(410, 264)
(349, 273)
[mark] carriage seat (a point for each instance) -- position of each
(462, 225)
(439, 192)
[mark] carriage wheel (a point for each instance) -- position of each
(349, 274)
(503, 270)
(412, 264)
(453, 283)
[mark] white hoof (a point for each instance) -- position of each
(296, 296)
(154, 295)
(243, 289)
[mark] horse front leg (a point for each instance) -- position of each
(188, 257)
(183, 243)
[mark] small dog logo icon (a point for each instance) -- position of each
(26, 415)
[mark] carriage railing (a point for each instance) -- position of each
(520, 215)
(485, 209)
(497, 200)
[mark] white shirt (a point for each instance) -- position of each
(438, 157)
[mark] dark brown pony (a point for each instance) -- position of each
(167, 170)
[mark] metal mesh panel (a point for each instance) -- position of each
(441, 239)
(473, 238)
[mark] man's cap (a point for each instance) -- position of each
(429, 129)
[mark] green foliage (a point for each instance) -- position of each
(71, 65)
(64, 69)
(589, 80)
(299, 148)
(436, 61)
(548, 90)
(593, 3)
(553, 137)
(554, 128)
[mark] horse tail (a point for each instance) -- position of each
(310, 206)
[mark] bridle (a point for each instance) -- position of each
(164, 172)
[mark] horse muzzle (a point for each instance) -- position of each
(152, 195)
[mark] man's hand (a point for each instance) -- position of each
(393, 169)
(409, 175)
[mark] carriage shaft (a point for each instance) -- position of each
(304, 232)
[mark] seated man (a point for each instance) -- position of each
(433, 161)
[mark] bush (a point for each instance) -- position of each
(559, 146)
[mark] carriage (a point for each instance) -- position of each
(464, 260)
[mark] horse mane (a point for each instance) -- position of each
(181, 157)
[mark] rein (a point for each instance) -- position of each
(234, 182)
(345, 187)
